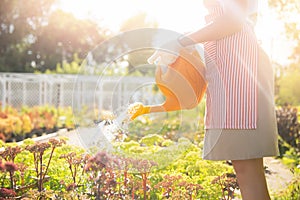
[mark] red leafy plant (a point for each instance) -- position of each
(7, 193)
(11, 168)
(110, 177)
(102, 176)
(144, 168)
(175, 187)
(228, 184)
(76, 164)
(9, 154)
(38, 151)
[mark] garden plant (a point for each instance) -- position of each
(164, 165)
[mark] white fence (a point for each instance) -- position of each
(74, 90)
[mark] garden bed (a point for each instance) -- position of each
(166, 165)
(54, 169)
(17, 125)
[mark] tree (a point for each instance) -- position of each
(35, 37)
(138, 58)
(289, 86)
(289, 12)
(19, 19)
(119, 55)
(61, 38)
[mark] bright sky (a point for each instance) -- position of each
(180, 16)
(112, 13)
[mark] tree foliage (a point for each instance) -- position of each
(139, 58)
(33, 36)
(289, 86)
(61, 38)
(19, 20)
(288, 11)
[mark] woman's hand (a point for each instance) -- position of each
(137, 109)
(167, 54)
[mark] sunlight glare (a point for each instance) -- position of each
(174, 15)
(180, 16)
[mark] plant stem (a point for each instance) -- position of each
(98, 191)
(36, 164)
(144, 177)
(11, 176)
(132, 193)
(223, 193)
(40, 184)
(228, 195)
(125, 178)
(74, 175)
(47, 167)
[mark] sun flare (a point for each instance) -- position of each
(175, 15)
(180, 16)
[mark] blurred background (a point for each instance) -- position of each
(55, 36)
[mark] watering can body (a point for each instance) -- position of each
(183, 85)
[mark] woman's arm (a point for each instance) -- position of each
(229, 23)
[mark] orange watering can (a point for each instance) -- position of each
(183, 85)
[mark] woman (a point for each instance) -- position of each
(240, 115)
